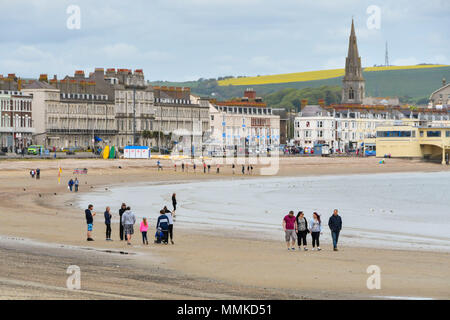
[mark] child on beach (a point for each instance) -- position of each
(144, 229)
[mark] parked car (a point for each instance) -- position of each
(35, 149)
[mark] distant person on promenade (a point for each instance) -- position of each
(174, 202)
(70, 184)
(243, 169)
(234, 168)
(128, 221)
(182, 166)
(195, 167)
(89, 221)
(38, 173)
(290, 229)
(218, 169)
(316, 229)
(108, 217)
(209, 168)
(163, 225)
(170, 217)
(144, 230)
(302, 231)
(204, 167)
(122, 209)
(76, 183)
(335, 224)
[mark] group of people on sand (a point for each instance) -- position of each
(73, 185)
(35, 173)
(184, 167)
(164, 225)
(296, 229)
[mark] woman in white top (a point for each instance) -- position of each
(315, 226)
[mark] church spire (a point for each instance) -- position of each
(353, 82)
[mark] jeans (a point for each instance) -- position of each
(315, 239)
(165, 236)
(121, 230)
(144, 237)
(301, 237)
(108, 231)
(170, 232)
(335, 237)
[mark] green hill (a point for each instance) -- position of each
(410, 85)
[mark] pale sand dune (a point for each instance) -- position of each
(214, 264)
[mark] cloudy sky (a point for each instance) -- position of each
(188, 39)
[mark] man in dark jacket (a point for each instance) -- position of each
(335, 224)
(122, 209)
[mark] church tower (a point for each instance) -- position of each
(353, 84)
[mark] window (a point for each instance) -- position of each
(447, 133)
(320, 124)
(351, 93)
(433, 134)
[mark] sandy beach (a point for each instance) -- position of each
(42, 232)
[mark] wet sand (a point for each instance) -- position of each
(43, 233)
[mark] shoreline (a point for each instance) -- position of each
(202, 258)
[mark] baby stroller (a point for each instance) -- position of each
(159, 236)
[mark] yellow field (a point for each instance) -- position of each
(310, 75)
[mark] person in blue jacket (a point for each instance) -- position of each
(163, 224)
(335, 224)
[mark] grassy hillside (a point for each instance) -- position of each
(310, 75)
(412, 85)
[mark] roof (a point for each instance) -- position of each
(39, 85)
(447, 85)
(312, 110)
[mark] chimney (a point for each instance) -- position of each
(304, 103)
(43, 78)
(79, 74)
(250, 93)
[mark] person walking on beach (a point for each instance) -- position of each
(163, 225)
(38, 174)
(170, 217)
(335, 224)
(174, 202)
(302, 230)
(89, 221)
(70, 184)
(122, 209)
(144, 230)
(76, 183)
(108, 217)
(316, 229)
(290, 229)
(128, 221)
